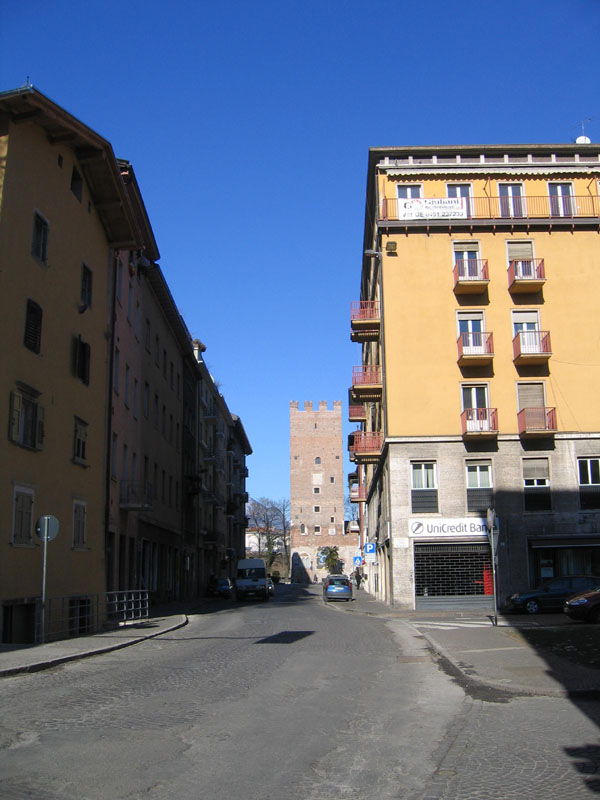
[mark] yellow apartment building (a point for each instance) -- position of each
(478, 379)
(63, 213)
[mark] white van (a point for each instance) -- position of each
(251, 578)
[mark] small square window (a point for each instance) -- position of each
(318, 530)
(317, 509)
(316, 490)
(76, 184)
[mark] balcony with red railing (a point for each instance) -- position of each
(367, 382)
(356, 412)
(365, 321)
(543, 207)
(536, 421)
(475, 348)
(526, 275)
(531, 347)
(479, 422)
(471, 275)
(358, 494)
(365, 445)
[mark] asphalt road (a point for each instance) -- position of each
(291, 698)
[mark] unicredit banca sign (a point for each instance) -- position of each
(466, 526)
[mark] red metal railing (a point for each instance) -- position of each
(366, 442)
(537, 420)
(471, 269)
(366, 375)
(526, 269)
(475, 343)
(356, 411)
(479, 420)
(497, 208)
(364, 310)
(531, 343)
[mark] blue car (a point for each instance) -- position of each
(337, 587)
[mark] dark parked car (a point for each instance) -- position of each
(223, 588)
(584, 606)
(551, 595)
(337, 587)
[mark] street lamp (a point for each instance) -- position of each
(493, 527)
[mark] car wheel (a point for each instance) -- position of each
(532, 606)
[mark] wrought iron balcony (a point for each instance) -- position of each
(367, 382)
(358, 494)
(479, 422)
(475, 348)
(531, 347)
(135, 495)
(471, 275)
(356, 412)
(537, 421)
(497, 208)
(365, 445)
(365, 321)
(526, 275)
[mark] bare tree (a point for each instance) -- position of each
(264, 515)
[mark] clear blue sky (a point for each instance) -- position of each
(248, 125)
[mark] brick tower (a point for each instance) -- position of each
(317, 490)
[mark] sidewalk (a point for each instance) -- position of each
(473, 649)
(16, 659)
(503, 657)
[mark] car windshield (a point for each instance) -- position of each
(338, 581)
(251, 572)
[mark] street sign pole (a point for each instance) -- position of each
(47, 530)
(493, 534)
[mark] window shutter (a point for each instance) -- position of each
(39, 427)
(33, 327)
(531, 395)
(519, 251)
(85, 374)
(536, 468)
(14, 424)
(466, 247)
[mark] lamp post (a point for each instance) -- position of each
(493, 526)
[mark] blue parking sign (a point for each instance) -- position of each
(370, 547)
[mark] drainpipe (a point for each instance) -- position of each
(108, 442)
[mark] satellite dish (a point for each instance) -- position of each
(583, 140)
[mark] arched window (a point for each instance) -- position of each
(318, 460)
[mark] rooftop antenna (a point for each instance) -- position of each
(583, 139)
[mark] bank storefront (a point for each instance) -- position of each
(452, 562)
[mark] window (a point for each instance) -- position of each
(79, 441)
(76, 184)
(129, 302)
(530, 396)
(526, 326)
(331, 531)
(478, 416)
(114, 455)
(148, 336)
(81, 360)
(156, 411)
(317, 530)
(470, 326)
(536, 484)
(408, 191)
(479, 486)
(138, 312)
(303, 530)
(79, 514)
(424, 496)
(32, 337)
(86, 287)
(589, 483)
(462, 190)
(561, 203)
(26, 423)
(39, 244)
(317, 460)
(332, 519)
(172, 375)
(332, 479)
(512, 202)
(22, 523)
(467, 260)
(127, 384)
(146, 400)
(316, 490)
(317, 509)
(135, 397)
(119, 287)
(156, 350)
(520, 254)
(165, 364)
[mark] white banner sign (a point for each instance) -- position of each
(432, 208)
(465, 526)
